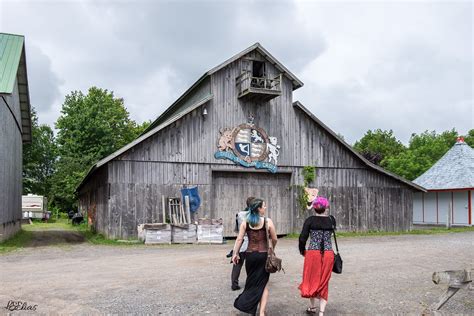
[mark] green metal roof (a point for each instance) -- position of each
(11, 47)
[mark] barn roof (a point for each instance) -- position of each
(13, 69)
(415, 186)
(258, 47)
(455, 170)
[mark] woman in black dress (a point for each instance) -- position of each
(256, 285)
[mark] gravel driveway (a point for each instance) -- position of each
(382, 275)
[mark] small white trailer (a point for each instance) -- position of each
(34, 206)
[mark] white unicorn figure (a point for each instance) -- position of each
(274, 150)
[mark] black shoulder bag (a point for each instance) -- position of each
(337, 267)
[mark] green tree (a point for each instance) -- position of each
(423, 152)
(377, 146)
(469, 138)
(90, 127)
(39, 158)
(142, 127)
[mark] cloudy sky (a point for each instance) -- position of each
(405, 66)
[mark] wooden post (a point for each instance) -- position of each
(163, 205)
(185, 218)
(170, 205)
(188, 209)
(448, 216)
(175, 213)
(444, 298)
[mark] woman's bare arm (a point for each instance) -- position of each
(273, 235)
(238, 242)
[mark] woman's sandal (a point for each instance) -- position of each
(311, 310)
(321, 312)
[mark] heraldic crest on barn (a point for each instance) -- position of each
(249, 145)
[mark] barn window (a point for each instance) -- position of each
(258, 69)
(254, 84)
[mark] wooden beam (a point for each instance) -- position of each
(456, 279)
(188, 209)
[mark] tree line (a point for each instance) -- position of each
(91, 126)
(423, 151)
(94, 125)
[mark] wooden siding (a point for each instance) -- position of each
(231, 189)
(94, 201)
(10, 164)
(198, 93)
(183, 154)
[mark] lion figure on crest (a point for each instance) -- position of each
(225, 140)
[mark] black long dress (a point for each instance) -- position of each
(257, 277)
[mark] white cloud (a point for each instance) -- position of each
(405, 66)
(401, 66)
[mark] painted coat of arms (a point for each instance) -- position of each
(249, 146)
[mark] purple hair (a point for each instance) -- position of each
(320, 203)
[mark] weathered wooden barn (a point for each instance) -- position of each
(236, 132)
(450, 186)
(15, 130)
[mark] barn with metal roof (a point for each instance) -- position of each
(15, 129)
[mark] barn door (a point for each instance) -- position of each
(231, 189)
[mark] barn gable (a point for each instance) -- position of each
(14, 79)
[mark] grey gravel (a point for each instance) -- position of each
(382, 275)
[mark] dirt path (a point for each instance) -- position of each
(54, 237)
(382, 275)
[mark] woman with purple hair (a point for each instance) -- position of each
(319, 257)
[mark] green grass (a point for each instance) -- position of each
(60, 224)
(99, 239)
(428, 231)
(20, 240)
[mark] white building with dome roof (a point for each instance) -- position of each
(450, 185)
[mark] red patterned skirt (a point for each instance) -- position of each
(316, 273)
